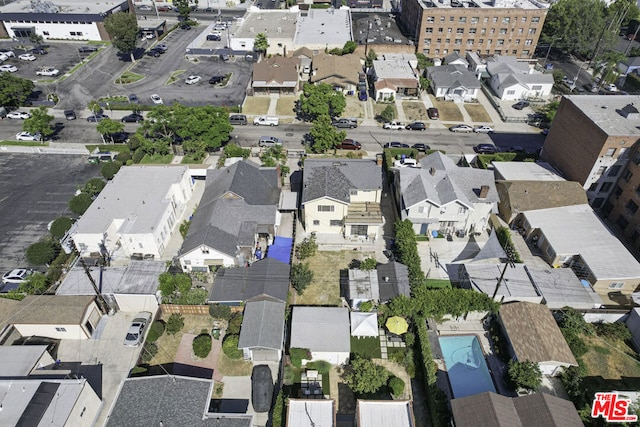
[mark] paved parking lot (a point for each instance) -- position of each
(34, 190)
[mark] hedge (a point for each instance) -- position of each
(202, 345)
(230, 347)
(155, 331)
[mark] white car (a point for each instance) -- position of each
(18, 115)
(193, 80)
(611, 87)
(135, 334)
(406, 163)
(7, 53)
(393, 125)
(145, 7)
(483, 129)
(27, 57)
(8, 68)
(156, 99)
(26, 136)
(47, 72)
(16, 276)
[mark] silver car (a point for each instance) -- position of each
(136, 330)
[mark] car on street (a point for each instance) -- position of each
(421, 147)
(133, 97)
(163, 8)
(26, 136)
(485, 149)
(224, 57)
(95, 118)
(162, 47)
(8, 68)
(145, 7)
(395, 144)
(214, 37)
(18, 115)
(610, 87)
(153, 52)
(520, 105)
(349, 144)
(345, 123)
(70, 114)
(193, 80)
(393, 125)
(461, 128)
(483, 129)
(132, 118)
(433, 113)
(215, 80)
(261, 388)
(269, 141)
(87, 49)
(27, 57)
(135, 334)
(155, 98)
(16, 276)
(416, 126)
(39, 51)
(47, 71)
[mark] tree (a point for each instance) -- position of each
(94, 106)
(80, 203)
(36, 38)
(525, 374)
(319, 100)
(550, 110)
(175, 324)
(94, 186)
(60, 226)
(368, 264)
(307, 248)
(261, 43)
(123, 30)
(173, 285)
(14, 90)
(155, 331)
(107, 127)
(325, 136)
(39, 122)
(396, 385)
(234, 324)
(388, 114)
(184, 9)
(301, 277)
(35, 284)
(371, 56)
(363, 376)
(218, 311)
(202, 345)
(230, 347)
(110, 169)
(349, 47)
(423, 61)
(43, 252)
(424, 83)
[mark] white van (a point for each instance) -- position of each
(266, 121)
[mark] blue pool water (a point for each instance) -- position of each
(466, 366)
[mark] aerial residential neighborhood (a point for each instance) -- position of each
(370, 213)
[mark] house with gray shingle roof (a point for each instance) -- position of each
(513, 80)
(453, 81)
(342, 197)
(237, 210)
(393, 281)
(443, 197)
(262, 332)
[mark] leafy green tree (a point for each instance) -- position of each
(234, 324)
(325, 136)
(371, 56)
(396, 385)
(319, 100)
(550, 110)
(184, 9)
(80, 203)
(107, 127)
(366, 306)
(261, 43)
(609, 69)
(14, 90)
(307, 248)
(149, 351)
(94, 106)
(424, 83)
(349, 47)
(388, 114)
(36, 38)
(123, 30)
(172, 285)
(364, 376)
(368, 264)
(34, 284)
(218, 311)
(43, 252)
(234, 150)
(202, 344)
(297, 355)
(94, 186)
(39, 122)
(60, 226)
(301, 277)
(110, 169)
(423, 61)
(525, 374)
(175, 324)
(192, 297)
(277, 418)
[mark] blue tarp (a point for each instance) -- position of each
(281, 249)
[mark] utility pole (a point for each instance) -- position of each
(510, 262)
(104, 307)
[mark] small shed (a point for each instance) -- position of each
(364, 324)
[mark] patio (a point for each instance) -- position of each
(311, 385)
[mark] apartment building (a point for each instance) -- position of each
(497, 27)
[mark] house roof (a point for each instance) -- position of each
(572, 230)
(336, 70)
(52, 309)
(522, 196)
(311, 413)
(268, 277)
(136, 198)
(525, 171)
(490, 409)
(276, 71)
(303, 52)
(453, 76)
(275, 24)
(237, 200)
(363, 285)
(455, 56)
(385, 413)
(321, 329)
(393, 280)
(324, 27)
(385, 84)
(534, 334)
(526, 80)
(364, 324)
(170, 400)
(334, 178)
(7, 308)
(507, 64)
(262, 325)
(19, 360)
(394, 69)
(515, 284)
(441, 182)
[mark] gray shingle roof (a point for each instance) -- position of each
(452, 76)
(268, 277)
(393, 280)
(334, 178)
(321, 329)
(262, 325)
(541, 409)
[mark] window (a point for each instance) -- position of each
(495, 19)
(335, 223)
(511, 92)
(458, 41)
(61, 329)
(498, 51)
(437, 52)
(520, 31)
(45, 33)
(483, 31)
(480, 41)
(535, 20)
(187, 262)
(430, 19)
(474, 20)
(472, 30)
(528, 42)
(421, 209)
(428, 30)
(442, 19)
(503, 31)
(427, 41)
(536, 87)
(623, 153)
(524, 19)
(438, 40)
(326, 208)
(614, 170)
(627, 175)
(607, 208)
(631, 206)
(462, 19)
(359, 230)
(471, 41)
(506, 20)
(492, 31)
(76, 33)
(447, 41)
(316, 222)
(489, 42)
(451, 19)
(606, 186)
(425, 52)
(532, 31)
(460, 31)
(616, 285)
(440, 30)
(485, 20)
(525, 53)
(205, 250)
(449, 30)
(500, 42)
(618, 191)
(462, 210)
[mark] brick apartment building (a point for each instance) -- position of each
(497, 27)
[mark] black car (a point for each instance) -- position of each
(153, 52)
(161, 47)
(132, 118)
(261, 388)
(485, 149)
(185, 26)
(395, 145)
(216, 79)
(97, 118)
(213, 37)
(520, 105)
(133, 97)
(518, 149)
(70, 114)
(224, 57)
(421, 147)
(416, 126)
(39, 51)
(87, 49)
(118, 137)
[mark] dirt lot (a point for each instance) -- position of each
(477, 113)
(415, 111)
(256, 105)
(449, 111)
(354, 108)
(286, 105)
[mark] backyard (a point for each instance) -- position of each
(168, 344)
(611, 365)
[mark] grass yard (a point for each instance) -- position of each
(168, 344)
(379, 107)
(611, 365)
(366, 346)
(233, 368)
(415, 111)
(477, 113)
(438, 284)
(449, 111)
(129, 77)
(156, 159)
(286, 105)
(353, 108)
(256, 105)
(114, 148)
(25, 143)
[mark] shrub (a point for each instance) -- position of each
(617, 331)
(365, 376)
(56, 266)
(297, 354)
(307, 248)
(43, 252)
(149, 350)
(138, 155)
(60, 226)
(278, 411)
(94, 186)
(123, 157)
(155, 331)
(218, 311)
(235, 321)
(230, 347)
(525, 374)
(195, 296)
(321, 366)
(396, 385)
(80, 203)
(175, 324)
(110, 169)
(504, 237)
(366, 306)
(388, 114)
(184, 228)
(202, 345)
(301, 277)
(368, 264)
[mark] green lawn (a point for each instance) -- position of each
(156, 159)
(25, 143)
(115, 148)
(366, 347)
(438, 284)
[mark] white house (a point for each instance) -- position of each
(442, 197)
(135, 214)
(397, 75)
(385, 413)
(324, 331)
(453, 82)
(513, 80)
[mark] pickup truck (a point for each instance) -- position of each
(266, 121)
(393, 125)
(345, 123)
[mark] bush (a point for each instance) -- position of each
(230, 347)
(617, 331)
(365, 376)
(202, 345)
(368, 264)
(149, 350)
(56, 266)
(155, 331)
(277, 419)
(60, 226)
(366, 306)
(396, 385)
(80, 203)
(301, 277)
(321, 366)
(388, 114)
(94, 186)
(235, 322)
(110, 169)
(43, 252)
(218, 311)
(195, 296)
(307, 248)
(525, 374)
(297, 354)
(175, 324)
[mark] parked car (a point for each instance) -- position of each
(216, 79)
(87, 49)
(145, 7)
(185, 26)
(70, 114)
(132, 118)
(395, 144)
(136, 330)
(8, 53)
(224, 57)
(349, 144)
(520, 105)
(483, 129)
(26, 136)
(39, 51)
(8, 68)
(156, 99)
(238, 119)
(266, 121)
(610, 87)
(161, 47)
(163, 8)
(47, 71)
(95, 118)
(133, 97)
(393, 125)
(461, 128)
(193, 80)
(16, 276)
(485, 149)
(416, 126)
(362, 95)
(18, 115)
(345, 123)
(421, 147)
(27, 57)
(406, 162)
(261, 388)
(269, 141)
(118, 137)
(433, 113)
(214, 37)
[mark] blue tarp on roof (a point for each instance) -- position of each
(281, 249)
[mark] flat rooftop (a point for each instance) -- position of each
(603, 110)
(393, 69)
(310, 413)
(19, 360)
(526, 171)
(476, 4)
(323, 26)
(378, 28)
(61, 6)
(274, 24)
(385, 413)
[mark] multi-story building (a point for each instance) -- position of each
(590, 140)
(497, 27)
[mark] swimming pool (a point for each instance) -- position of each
(466, 366)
